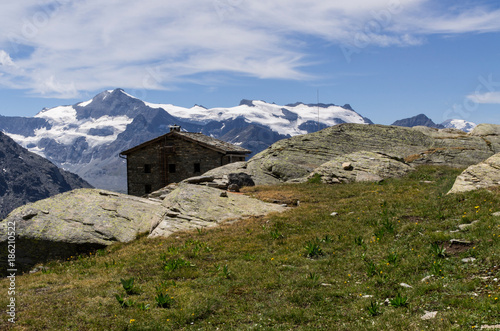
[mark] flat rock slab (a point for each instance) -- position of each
(194, 206)
(482, 175)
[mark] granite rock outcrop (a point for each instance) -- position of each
(481, 175)
(297, 157)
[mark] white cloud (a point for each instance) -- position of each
(479, 19)
(61, 47)
(5, 59)
(488, 97)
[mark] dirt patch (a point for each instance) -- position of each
(455, 247)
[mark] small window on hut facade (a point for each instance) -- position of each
(147, 168)
(197, 167)
(171, 168)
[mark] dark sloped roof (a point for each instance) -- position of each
(219, 144)
(209, 142)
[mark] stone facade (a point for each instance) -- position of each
(174, 157)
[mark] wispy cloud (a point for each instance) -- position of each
(58, 48)
(488, 97)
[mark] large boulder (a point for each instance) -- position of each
(83, 220)
(298, 156)
(75, 222)
(482, 175)
(192, 206)
(459, 149)
(483, 130)
(359, 167)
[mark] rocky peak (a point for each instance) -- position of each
(27, 177)
(419, 120)
(246, 102)
(110, 103)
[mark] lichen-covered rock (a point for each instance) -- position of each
(196, 206)
(199, 179)
(363, 166)
(486, 130)
(457, 148)
(441, 133)
(296, 157)
(75, 222)
(482, 175)
(82, 220)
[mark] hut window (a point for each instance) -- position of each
(171, 168)
(147, 168)
(197, 167)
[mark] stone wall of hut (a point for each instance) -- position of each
(170, 161)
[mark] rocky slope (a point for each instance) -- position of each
(27, 177)
(298, 156)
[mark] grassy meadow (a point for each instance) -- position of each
(380, 263)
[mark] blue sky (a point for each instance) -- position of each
(389, 59)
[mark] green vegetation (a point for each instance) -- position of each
(399, 301)
(128, 285)
(373, 309)
(303, 269)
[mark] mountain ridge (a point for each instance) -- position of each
(418, 120)
(423, 120)
(87, 137)
(28, 177)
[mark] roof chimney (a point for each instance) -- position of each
(175, 128)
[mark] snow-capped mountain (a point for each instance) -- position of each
(86, 138)
(459, 124)
(288, 120)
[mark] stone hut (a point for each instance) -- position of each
(175, 156)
